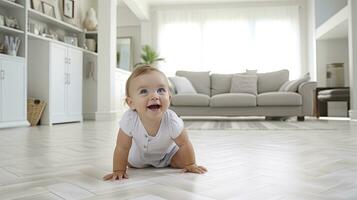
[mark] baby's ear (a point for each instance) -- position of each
(129, 101)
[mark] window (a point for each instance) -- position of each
(229, 40)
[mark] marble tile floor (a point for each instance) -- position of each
(246, 159)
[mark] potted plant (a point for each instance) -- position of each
(149, 56)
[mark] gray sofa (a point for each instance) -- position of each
(213, 97)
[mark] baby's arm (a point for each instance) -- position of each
(185, 156)
(120, 158)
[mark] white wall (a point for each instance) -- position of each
(128, 25)
(331, 51)
(327, 8)
(126, 18)
(311, 42)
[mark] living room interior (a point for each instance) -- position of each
(265, 89)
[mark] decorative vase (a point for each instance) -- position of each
(91, 44)
(90, 22)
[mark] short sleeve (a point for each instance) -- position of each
(127, 122)
(175, 123)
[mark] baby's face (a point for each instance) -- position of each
(149, 95)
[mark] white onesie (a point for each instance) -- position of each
(154, 151)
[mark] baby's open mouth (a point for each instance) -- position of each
(154, 107)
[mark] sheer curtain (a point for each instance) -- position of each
(229, 40)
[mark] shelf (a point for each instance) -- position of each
(18, 58)
(33, 14)
(11, 30)
(10, 4)
(335, 27)
(91, 32)
(90, 52)
(60, 42)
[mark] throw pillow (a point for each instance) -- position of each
(182, 85)
(292, 86)
(244, 84)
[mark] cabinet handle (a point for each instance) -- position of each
(2, 75)
(69, 61)
(69, 79)
(65, 78)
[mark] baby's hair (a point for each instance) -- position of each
(145, 69)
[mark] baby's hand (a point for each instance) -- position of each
(117, 175)
(195, 169)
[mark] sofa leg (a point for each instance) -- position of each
(301, 118)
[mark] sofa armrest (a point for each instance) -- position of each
(306, 90)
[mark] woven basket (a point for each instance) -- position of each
(35, 108)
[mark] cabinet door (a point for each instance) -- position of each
(75, 68)
(13, 91)
(58, 80)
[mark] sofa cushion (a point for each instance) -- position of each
(200, 80)
(244, 84)
(279, 99)
(220, 83)
(190, 100)
(233, 100)
(182, 85)
(272, 81)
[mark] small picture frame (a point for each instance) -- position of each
(48, 9)
(68, 8)
(36, 5)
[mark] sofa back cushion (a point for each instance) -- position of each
(200, 80)
(220, 83)
(244, 84)
(272, 81)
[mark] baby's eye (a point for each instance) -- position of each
(161, 90)
(143, 91)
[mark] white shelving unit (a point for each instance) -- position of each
(88, 58)
(335, 27)
(16, 69)
(34, 36)
(13, 80)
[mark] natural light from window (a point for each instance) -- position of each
(230, 41)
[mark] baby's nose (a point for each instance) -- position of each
(155, 95)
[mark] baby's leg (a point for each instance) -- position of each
(177, 161)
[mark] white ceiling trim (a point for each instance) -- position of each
(139, 7)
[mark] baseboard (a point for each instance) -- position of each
(14, 124)
(106, 116)
(353, 114)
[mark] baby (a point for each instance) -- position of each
(150, 134)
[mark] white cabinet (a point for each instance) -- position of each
(12, 92)
(57, 79)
